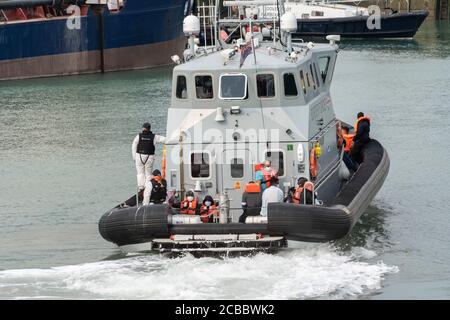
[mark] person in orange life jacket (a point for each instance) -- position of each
(347, 144)
(264, 175)
(299, 193)
(251, 201)
(208, 210)
(362, 136)
(190, 204)
(143, 152)
(155, 191)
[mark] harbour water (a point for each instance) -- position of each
(65, 158)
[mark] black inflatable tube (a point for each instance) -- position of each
(135, 224)
(325, 223)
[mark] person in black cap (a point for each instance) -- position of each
(155, 189)
(143, 152)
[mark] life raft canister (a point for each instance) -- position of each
(358, 121)
(190, 208)
(206, 212)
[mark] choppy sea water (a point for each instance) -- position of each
(65, 158)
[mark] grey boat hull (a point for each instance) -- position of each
(143, 224)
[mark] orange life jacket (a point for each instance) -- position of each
(348, 137)
(358, 121)
(313, 171)
(267, 176)
(223, 35)
(252, 188)
(190, 208)
(298, 192)
(206, 212)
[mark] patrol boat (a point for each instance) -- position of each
(232, 107)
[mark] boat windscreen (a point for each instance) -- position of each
(233, 87)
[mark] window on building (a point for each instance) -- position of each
(290, 87)
(266, 85)
(200, 167)
(237, 168)
(305, 15)
(181, 87)
(233, 86)
(277, 159)
(204, 87)
(316, 13)
(324, 63)
(302, 82)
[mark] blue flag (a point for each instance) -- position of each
(245, 52)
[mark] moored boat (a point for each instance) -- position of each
(50, 38)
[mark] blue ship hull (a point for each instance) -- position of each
(142, 34)
(398, 25)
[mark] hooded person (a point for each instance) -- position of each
(155, 191)
(208, 210)
(143, 153)
(190, 204)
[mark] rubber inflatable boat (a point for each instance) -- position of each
(152, 227)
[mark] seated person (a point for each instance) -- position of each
(271, 194)
(251, 201)
(303, 188)
(190, 204)
(209, 211)
(155, 191)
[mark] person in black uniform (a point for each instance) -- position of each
(143, 152)
(362, 136)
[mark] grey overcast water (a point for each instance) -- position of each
(65, 158)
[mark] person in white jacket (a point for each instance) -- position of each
(143, 152)
(271, 194)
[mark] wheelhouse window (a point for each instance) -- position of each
(307, 80)
(315, 73)
(204, 87)
(312, 76)
(324, 63)
(237, 168)
(277, 160)
(302, 82)
(200, 167)
(181, 91)
(290, 87)
(266, 85)
(233, 86)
